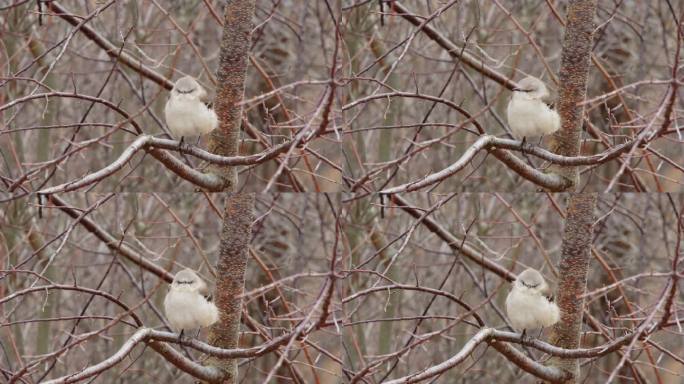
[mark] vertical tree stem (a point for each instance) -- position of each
(230, 268)
(573, 267)
(235, 43)
(577, 236)
(574, 70)
(239, 209)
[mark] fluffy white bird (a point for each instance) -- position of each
(528, 305)
(528, 114)
(186, 306)
(186, 112)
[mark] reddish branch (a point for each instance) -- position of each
(111, 49)
(232, 68)
(115, 245)
(485, 335)
(494, 144)
(66, 287)
(452, 241)
(454, 51)
(158, 339)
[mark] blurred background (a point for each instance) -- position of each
(385, 261)
(401, 104)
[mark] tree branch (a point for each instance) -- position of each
(452, 241)
(114, 244)
(456, 52)
(182, 362)
(111, 49)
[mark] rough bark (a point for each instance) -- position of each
(572, 269)
(235, 237)
(574, 70)
(239, 209)
(578, 231)
(235, 43)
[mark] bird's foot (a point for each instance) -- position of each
(522, 336)
(522, 144)
(180, 145)
(180, 336)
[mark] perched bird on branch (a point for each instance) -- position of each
(186, 304)
(529, 304)
(186, 112)
(529, 115)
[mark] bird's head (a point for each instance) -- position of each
(531, 280)
(188, 87)
(187, 280)
(531, 88)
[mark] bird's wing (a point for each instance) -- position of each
(202, 94)
(547, 293)
(205, 291)
(205, 99)
(202, 289)
(549, 100)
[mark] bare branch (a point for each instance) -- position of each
(110, 241)
(454, 51)
(110, 48)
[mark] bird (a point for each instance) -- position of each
(186, 112)
(528, 114)
(529, 305)
(186, 306)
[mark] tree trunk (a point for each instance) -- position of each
(235, 43)
(230, 268)
(573, 267)
(574, 71)
(577, 236)
(239, 209)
